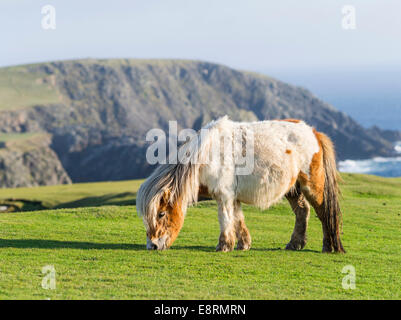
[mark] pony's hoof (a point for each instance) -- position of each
(224, 247)
(295, 245)
(243, 246)
(327, 249)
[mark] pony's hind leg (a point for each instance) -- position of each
(227, 226)
(321, 213)
(241, 231)
(321, 189)
(301, 209)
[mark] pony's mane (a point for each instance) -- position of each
(181, 179)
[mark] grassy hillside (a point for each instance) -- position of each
(21, 141)
(99, 252)
(20, 88)
(14, 137)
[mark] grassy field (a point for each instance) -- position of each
(98, 250)
(75, 196)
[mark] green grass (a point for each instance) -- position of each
(7, 137)
(99, 252)
(21, 142)
(20, 88)
(77, 195)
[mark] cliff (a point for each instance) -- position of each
(96, 114)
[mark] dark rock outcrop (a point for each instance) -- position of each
(29, 163)
(105, 107)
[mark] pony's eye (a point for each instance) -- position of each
(162, 214)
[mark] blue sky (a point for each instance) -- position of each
(256, 35)
(300, 42)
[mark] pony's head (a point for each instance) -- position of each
(162, 231)
(163, 198)
(162, 201)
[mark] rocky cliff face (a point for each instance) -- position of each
(100, 110)
(30, 162)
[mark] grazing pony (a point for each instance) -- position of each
(290, 159)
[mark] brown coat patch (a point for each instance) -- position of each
(169, 224)
(291, 120)
(315, 182)
(175, 221)
(317, 174)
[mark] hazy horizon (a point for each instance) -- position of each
(255, 35)
(357, 71)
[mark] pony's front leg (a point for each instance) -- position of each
(227, 226)
(242, 232)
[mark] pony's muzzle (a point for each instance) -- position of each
(150, 245)
(155, 244)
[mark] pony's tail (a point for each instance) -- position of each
(332, 217)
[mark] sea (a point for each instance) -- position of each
(370, 95)
(379, 166)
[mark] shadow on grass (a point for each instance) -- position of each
(116, 199)
(112, 199)
(55, 244)
(213, 249)
(283, 249)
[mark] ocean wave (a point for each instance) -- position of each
(380, 166)
(397, 147)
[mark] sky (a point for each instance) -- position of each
(301, 42)
(252, 34)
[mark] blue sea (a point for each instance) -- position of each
(380, 166)
(370, 95)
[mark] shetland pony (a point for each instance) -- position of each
(290, 159)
